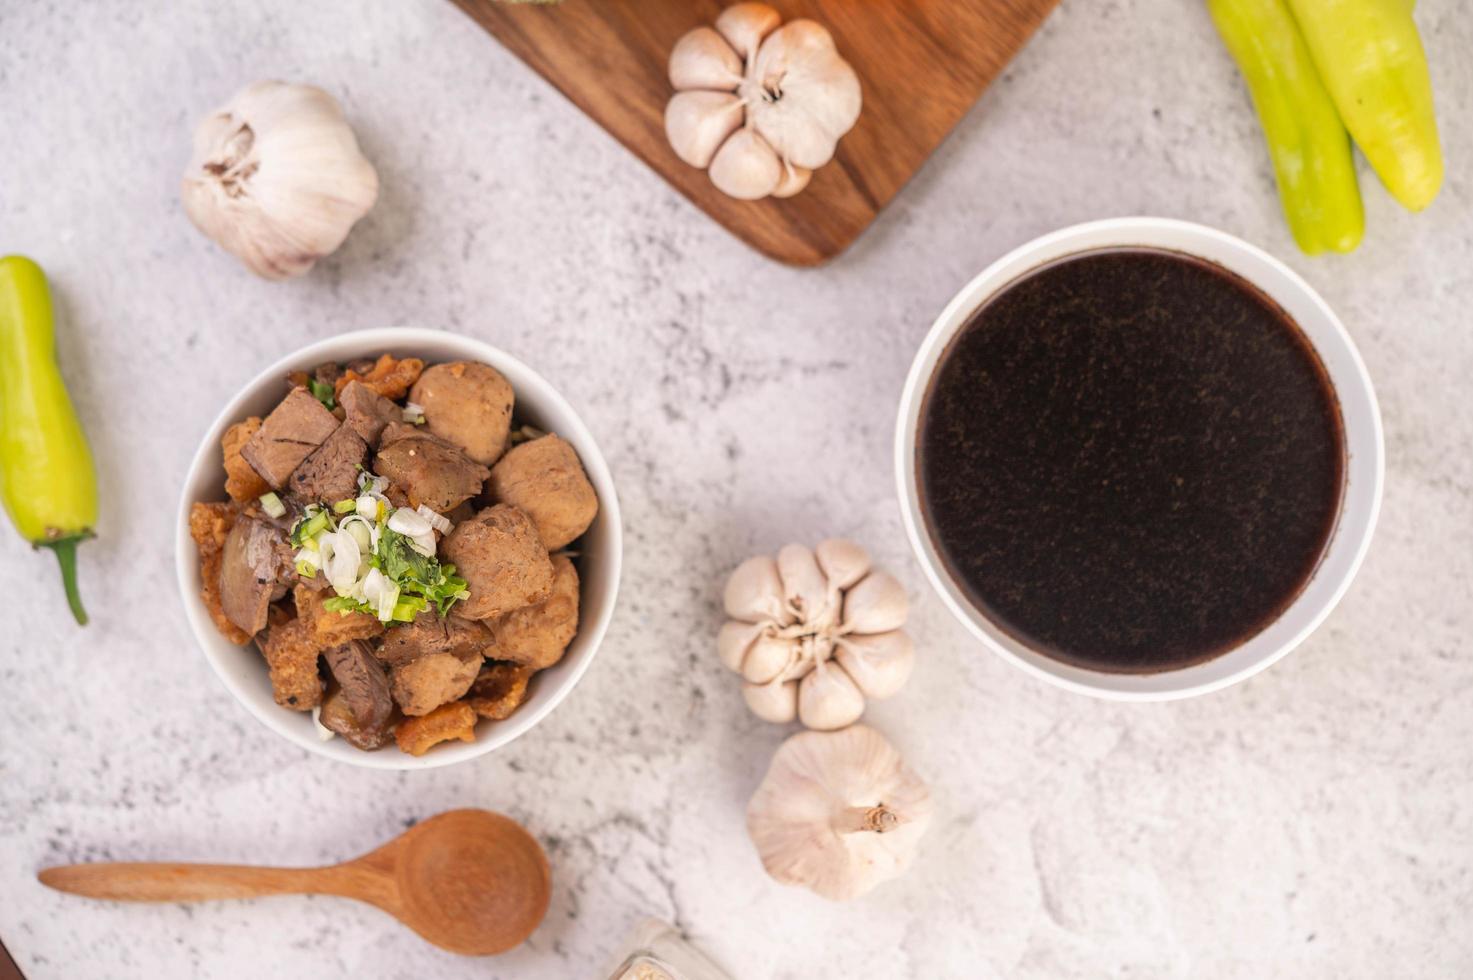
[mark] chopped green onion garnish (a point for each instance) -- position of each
(407, 608)
(343, 604)
(361, 534)
(310, 544)
(272, 505)
(344, 506)
(306, 569)
(323, 392)
(307, 529)
(418, 576)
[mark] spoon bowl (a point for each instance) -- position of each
(469, 881)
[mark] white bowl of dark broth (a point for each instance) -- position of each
(1139, 458)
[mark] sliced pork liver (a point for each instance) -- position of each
(430, 633)
(368, 411)
(362, 683)
(288, 436)
(399, 429)
(429, 470)
(249, 567)
(337, 717)
(331, 472)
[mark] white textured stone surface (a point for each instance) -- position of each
(1315, 821)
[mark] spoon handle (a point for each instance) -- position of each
(142, 882)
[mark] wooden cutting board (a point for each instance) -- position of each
(922, 63)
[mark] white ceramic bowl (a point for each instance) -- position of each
(1364, 473)
(242, 668)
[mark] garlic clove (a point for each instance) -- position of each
(277, 179)
(804, 586)
(801, 667)
(769, 658)
(877, 604)
(802, 95)
(698, 123)
(777, 702)
(735, 639)
(838, 813)
(843, 562)
(745, 167)
(754, 593)
(744, 25)
(703, 59)
(879, 664)
(828, 699)
(793, 180)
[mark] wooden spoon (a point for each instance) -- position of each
(469, 881)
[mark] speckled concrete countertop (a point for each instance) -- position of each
(1315, 821)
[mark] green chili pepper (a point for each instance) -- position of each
(1306, 139)
(1370, 55)
(47, 481)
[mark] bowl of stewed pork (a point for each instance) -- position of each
(399, 548)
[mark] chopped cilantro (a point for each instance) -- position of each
(417, 575)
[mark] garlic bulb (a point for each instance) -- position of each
(815, 634)
(761, 105)
(277, 178)
(838, 813)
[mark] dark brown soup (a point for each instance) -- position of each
(1130, 459)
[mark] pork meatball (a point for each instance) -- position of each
(503, 561)
(537, 636)
(422, 685)
(467, 404)
(544, 478)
